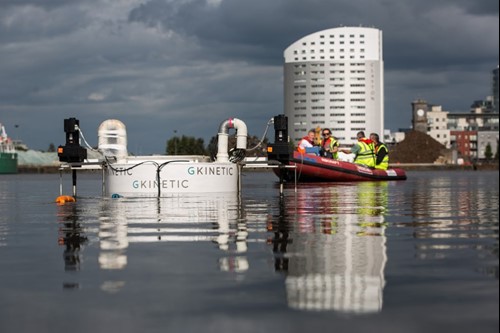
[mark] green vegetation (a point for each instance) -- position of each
(186, 145)
(488, 153)
(52, 148)
(195, 146)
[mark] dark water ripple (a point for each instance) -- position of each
(419, 255)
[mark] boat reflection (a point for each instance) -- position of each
(330, 243)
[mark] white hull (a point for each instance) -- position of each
(138, 177)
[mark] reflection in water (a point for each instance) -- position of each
(177, 219)
(123, 221)
(71, 235)
(334, 253)
(452, 211)
(5, 206)
(112, 234)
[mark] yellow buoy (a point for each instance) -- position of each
(62, 199)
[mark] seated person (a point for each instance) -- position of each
(329, 145)
(306, 144)
(363, 150)
(381, 152)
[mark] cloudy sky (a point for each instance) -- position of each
(185, 65)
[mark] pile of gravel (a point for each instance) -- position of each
(417, 147)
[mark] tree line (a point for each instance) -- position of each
(188, 145)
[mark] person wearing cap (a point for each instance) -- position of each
(329, 145)
(381, 152)
(363, 150)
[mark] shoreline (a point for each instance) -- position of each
(34, 169)
(445, 167)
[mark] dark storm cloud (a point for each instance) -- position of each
(49, 4)
(416, 34)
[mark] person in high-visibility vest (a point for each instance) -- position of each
(381, 152)
(363, 150)
(329, 145)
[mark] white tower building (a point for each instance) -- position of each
(335, 79)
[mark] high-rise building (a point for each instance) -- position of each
(335, 79)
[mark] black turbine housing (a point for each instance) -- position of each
(72, 152)
(280, 150)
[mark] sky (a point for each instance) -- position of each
(183, 66)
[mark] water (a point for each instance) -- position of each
(413, 256)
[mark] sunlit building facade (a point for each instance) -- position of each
(335, 79)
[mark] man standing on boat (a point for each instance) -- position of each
(381, 152)
(364, 151)
(329, 145)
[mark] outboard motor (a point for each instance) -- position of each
(280, 150)
(72, 152)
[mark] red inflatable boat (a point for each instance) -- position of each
(320, 169)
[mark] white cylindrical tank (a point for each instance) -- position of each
(113, 139)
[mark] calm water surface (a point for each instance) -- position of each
(413, 256)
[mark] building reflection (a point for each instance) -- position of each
(450, 212)
(330, 243)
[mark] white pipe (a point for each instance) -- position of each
(241, 138)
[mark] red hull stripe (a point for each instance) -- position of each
(315, 168)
